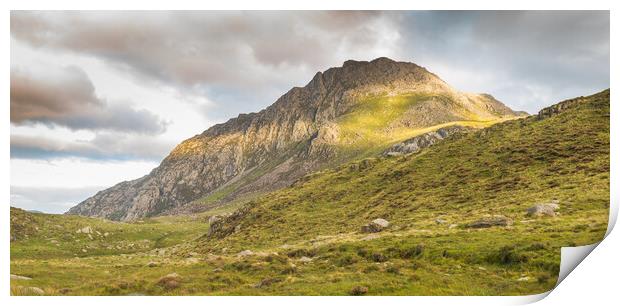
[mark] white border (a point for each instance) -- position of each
(596, 283)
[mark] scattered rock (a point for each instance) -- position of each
(192, 260)
(523, 279)
(151, 264)
(305, 259)
(375, 226)
(216, 270)
(267, 282)
(359, 290)
(497, 220)
(245, 253)
(85, 230)
(451, 226)
(106, 234)
(19, 277)
(482, 268)
(84, 251)
(440, 221)
(541, 210)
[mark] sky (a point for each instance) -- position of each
(102, 97)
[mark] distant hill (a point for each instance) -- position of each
(342, 114)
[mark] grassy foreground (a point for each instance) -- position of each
(306, 239)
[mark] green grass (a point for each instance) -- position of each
(503, 169)
(55, 236)
(374, 124)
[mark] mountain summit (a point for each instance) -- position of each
(344, 113)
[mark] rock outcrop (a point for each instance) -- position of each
(375, 226)
(541, 210)
(299, 133)
(425, 140)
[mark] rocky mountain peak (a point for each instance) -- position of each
(306, 129)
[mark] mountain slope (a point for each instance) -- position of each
(557, 155)
(344, 113)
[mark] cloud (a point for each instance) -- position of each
(50, 199)
(529, 59)
(67, 98)
(108, 147)
(240, 60)
(244, 60)
(193, 48)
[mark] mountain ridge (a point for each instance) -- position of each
(330, 120)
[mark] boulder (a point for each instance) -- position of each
(496, 220)
(245, 253)
(375, 226)
(170, 281)
(85, 230)
(214, 218)
(542, 210)
(19, 277)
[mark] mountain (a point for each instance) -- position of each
(345, 113)
(466, 212)
(490, 178)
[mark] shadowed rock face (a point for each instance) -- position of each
(264, 151)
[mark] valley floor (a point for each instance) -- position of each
(431, 260)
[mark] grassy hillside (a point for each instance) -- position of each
(376, 123)
(306, 239)
(503, 169)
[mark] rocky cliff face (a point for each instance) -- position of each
(299, 133)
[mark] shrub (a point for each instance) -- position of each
(359, 290)
(536, 247)
(412, 252)
(508, 255)
(393, 270)
(289, 270)
(345, 261)
(378, 257)
(302, 252)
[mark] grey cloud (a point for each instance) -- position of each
(109, 147)
(262, 53)
(67, 98)
(528, 59)
(50, 200)
(192, 48)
